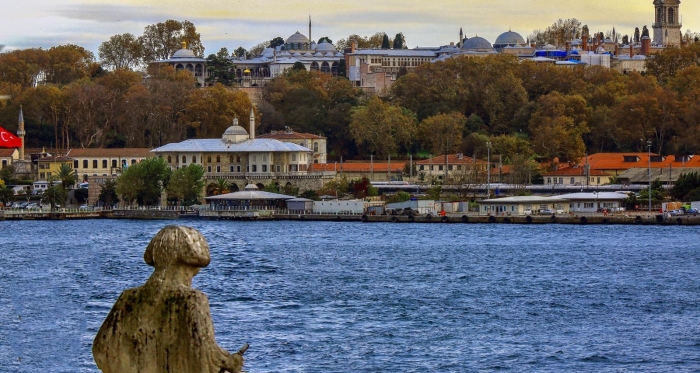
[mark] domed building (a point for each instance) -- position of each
(477, 44)
(297, 42)
(508, 39)
(185, 59)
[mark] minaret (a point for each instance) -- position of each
(251, 134)
(461, 37)
(310, 40)
(21, 133)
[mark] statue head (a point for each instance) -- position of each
(177, 246)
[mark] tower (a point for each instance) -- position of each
(461, 37)
(21, 133)
(667, 25)
(310, 40)
(251, 134)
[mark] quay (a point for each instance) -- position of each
(629, 218)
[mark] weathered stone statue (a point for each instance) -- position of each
(164, 325)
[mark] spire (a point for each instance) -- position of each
(310, 40)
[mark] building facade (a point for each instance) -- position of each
(90, 163)
(316, 143)
(667, 23)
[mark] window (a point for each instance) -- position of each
(133, 161)
(571, 181)
(104, 163)
(208, 168)
(170, 160)
(255, 168)
(278, 168)
(230, 168)
(194, 159)
(265, 158)
(316, 147)
(85, 163)
(114, 162)
(75, 163)
(420, 168)
(264, 168)
(294, 157)
(209, 159)
(549, 180)
(94, 163)
(238, 168)
(218, 159)
(218, 168)
(184, 160)
(238, 159)
(561, 180)
(230, 159)
(440, 168)
(42, 175)
(588, 205)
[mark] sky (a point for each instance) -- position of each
(235, 23)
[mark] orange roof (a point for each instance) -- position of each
(623, 161)
(359, 166)
(575, 171)
(110, 152)
(289, 135)
(451, 159)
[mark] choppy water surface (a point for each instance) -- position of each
(353, 297)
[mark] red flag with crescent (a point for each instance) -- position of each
(8, 140)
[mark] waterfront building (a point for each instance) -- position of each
(316, 143)
(8, 156)
(457, 167)
(241, 158)
(248, 203)
(595, 201)
(372, 170)
(523, 205)
(576, 175)
(100, 162)
(614, 164)
(49, 166)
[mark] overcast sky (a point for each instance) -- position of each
(234, 23)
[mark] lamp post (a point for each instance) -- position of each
(488, 169)
(649, 171)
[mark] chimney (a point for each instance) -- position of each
(584, 43)
(353, 47)
(251, 134)
(646, 45)
(617, 49)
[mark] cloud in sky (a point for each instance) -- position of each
(226, 23)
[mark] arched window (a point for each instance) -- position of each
(659, 15)
(334, 68)
(218, 159)
(316, 147)
(230, 158)
(198, 69)
(170, 160)
(194, 159)
(209, 159)
(179, 67)
(184, 159)
(189, 67)
(325, 67)
(671, 16)
(314, 66)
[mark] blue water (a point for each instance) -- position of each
(354, 297)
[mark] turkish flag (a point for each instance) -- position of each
(8, 140)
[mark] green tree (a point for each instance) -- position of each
(442, 133)
(108, 193)
(685, 184)
(220, 68)
(276, 42)
(143, 182)
(67, 175)
(385, 42)
(298, 66)
(54, 195)
(186, 184)
(399, 41)
(398, 197)
(240, 52)
(7, 173)
(272, 187)
(325, 38)
(121, 52)
(6, 193)
(222, 186)
(382, 128)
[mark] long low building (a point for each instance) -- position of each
(561, 204)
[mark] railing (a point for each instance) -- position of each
(269, 175)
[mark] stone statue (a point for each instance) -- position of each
(164, 325)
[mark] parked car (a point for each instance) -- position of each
(692, 211)
(85, 207)
(546, 211)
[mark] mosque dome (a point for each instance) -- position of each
(236, 130)
(476, 42)
(235, 133)
(297, 38)
(325, 47)
(508, 38)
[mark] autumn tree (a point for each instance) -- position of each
(381, 127)
(161, 40)
(557, 126)
(210, 111)
(442, 133)
(121, 52)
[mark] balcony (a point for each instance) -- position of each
(269, 175)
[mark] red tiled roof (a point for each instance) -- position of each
(6, 152)
(359, 166)
(451, 159)
(289, 135)
(110, 152)
(616, 161)
(575, 171)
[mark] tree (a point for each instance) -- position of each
(625, 40)
(385, 42)
(54, 194)
(6, 193)
(442, 133)
(399, 41)
(298, 66)
(220, 68)
(7, 173)
(636, 35)
(557, 126)
(161, 40)
(143, 182)
(645, 31)
(68, 63)
(276, 42)
(326, 39)
(186, 184)
(686, 183)
(121, 52)
(222, 186)
(210, 111)
(240, 52)
(381, 127)
(108, 193)
(66, 175)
